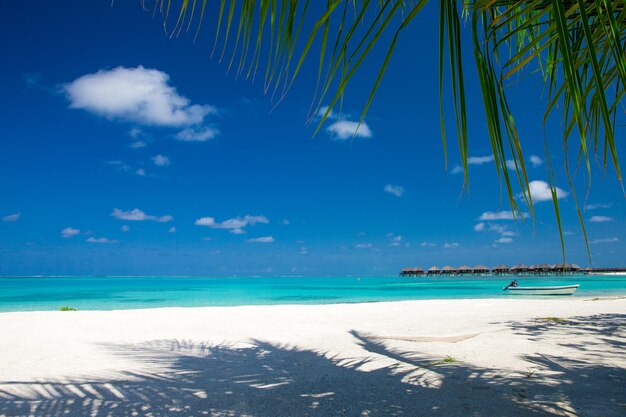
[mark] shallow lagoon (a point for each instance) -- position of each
(111, 293)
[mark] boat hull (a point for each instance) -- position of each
(556, 290)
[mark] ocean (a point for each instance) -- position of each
(113, 293)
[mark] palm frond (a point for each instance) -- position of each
(578, 47)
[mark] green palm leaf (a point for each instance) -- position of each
(578, 47)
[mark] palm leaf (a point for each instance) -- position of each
(577, 46)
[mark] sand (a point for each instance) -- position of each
(510, 357)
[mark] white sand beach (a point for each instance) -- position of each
(379, 359)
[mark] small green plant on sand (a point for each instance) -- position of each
(447, 359)
(553, 319)
(66, 308)
(529, 373)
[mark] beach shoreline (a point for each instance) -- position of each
(527, 356)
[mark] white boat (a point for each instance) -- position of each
(552, 290)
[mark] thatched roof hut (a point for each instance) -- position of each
(464, 269)
(520, 268)
(448, 270)
(480, 269)
(412, 271)
(500, 269)
(433, 270)
(566, 268)
(541, 268)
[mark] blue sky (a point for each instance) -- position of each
(125, 152)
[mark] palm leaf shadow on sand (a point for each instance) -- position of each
(271, 380)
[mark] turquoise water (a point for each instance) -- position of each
(111, 293)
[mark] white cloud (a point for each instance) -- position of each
(510, 164)
(363, 245)
(171, 230)
(535, 160)
(205, 221)
(235, 225)
(472, 160)
(138, 144)
(264, 239)
(597, 206)
(117, 162)
(137, 215)
(345, 129)
(123, 166)
(135, 132)
(427, 244)
(479, 227)
(394, 240)
(322, 111)
(458, 169)
(605, 240)
(451, 245)
(69, 232)
(12, 217)
(479, 160)
(501, 229)
(600, 219)
(161, 160)
(197, 135)
(125, 228)
(396, 190)
(100, 240)
(540, 191)
(303, 251)
(504, 240)
(500, 215)
(139, 95)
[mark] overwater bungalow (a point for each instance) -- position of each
(480, 269)
(500, 269)
(448, 270)
(541, 269)
(464, 269)
(562, 268)
(433, 270)
(412, 271)
(520, 269)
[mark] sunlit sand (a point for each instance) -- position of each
(437, 357)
